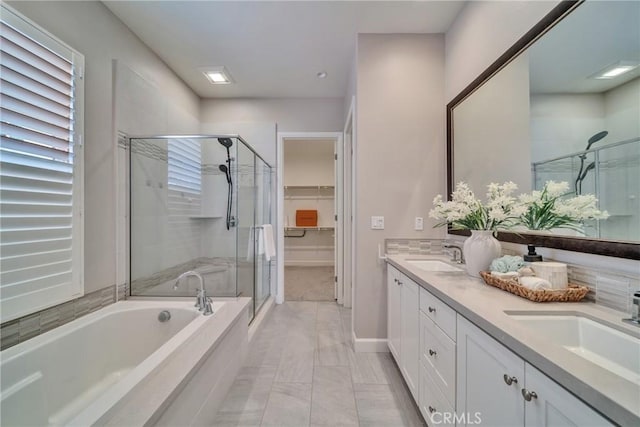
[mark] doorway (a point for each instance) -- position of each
(309, 189)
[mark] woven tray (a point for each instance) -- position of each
(573, 293)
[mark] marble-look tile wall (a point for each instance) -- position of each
(610, 288)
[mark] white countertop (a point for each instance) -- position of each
(485, 306)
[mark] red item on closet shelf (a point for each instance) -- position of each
(306, 218)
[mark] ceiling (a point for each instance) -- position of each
(594, 36)
(273, 48)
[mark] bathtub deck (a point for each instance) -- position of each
(301, 370)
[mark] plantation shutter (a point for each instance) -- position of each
(40, 169)
(184, 177)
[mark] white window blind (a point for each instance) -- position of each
(40, 169)
(184, 165)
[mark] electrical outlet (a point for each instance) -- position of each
(419, 224)
(377, 223)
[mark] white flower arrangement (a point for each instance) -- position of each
(466, 212)
(539, 210)
(548, 209)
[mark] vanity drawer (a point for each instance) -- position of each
(433, 404)
(438, 355)
(441, 314)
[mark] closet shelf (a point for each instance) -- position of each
(321, 228)
(309, 197)
(309, 187)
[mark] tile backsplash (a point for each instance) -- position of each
(609, 287)
(26, 327)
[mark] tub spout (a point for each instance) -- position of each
(203, 302)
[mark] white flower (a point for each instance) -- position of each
(557, 189)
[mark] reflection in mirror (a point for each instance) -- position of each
(565, 109)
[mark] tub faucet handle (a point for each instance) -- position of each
(635, 309)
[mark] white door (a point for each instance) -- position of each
(489, 379)
(553, 405)
(394, 312)
(339, 227)
(410, 334)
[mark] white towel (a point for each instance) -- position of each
(534, 283)
(269, 244)
(251, 243)
(261, 241)
(506, 276)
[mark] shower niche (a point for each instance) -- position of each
(198, 203)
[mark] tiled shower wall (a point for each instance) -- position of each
(606, 287)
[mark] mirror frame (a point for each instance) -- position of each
(618, 249)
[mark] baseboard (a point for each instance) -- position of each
(369, 345)
(309, 263)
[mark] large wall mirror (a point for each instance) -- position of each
(559, 106)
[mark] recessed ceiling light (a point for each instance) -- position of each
(217, 75)
(615, 70)
(322, 74)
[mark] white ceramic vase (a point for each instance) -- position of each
(479, 250)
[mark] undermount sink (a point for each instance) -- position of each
(432, 265)
(596, 342)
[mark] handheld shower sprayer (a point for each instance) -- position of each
(582, 173)
(228, 143)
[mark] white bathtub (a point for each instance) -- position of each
(93, 369)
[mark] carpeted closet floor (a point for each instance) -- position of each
(308, 284)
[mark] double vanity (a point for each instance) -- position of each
(473, 354)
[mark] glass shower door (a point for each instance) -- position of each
(247, 234)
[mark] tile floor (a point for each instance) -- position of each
(302, 371)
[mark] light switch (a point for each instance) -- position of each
(377, 223)
(419, 224)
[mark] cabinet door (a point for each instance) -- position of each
(485, 369)
(410, 339)
(394, 290)
(555, 406)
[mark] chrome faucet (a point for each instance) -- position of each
(635, 309)
(203, 302)
(454, 257)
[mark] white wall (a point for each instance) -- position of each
(309, 162)
(563, 123)
(622, 111)
(291, 114)
(400, 155)
(482, 32)
(492, 128)
(93, 30)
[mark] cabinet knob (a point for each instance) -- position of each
(395, 280)
(432, 409)
(432, 310)
(528, 395)
(509, 380)
(399, 282)
(432, 353)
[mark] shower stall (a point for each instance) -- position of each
(198, 203)
(610, 172)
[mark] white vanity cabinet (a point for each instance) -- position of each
(394, 312)
(504, 390)
(410, 340)
(403, 325)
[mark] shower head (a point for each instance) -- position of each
(226, 142)
(224, 169)
(595, 138)
(589, 167)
